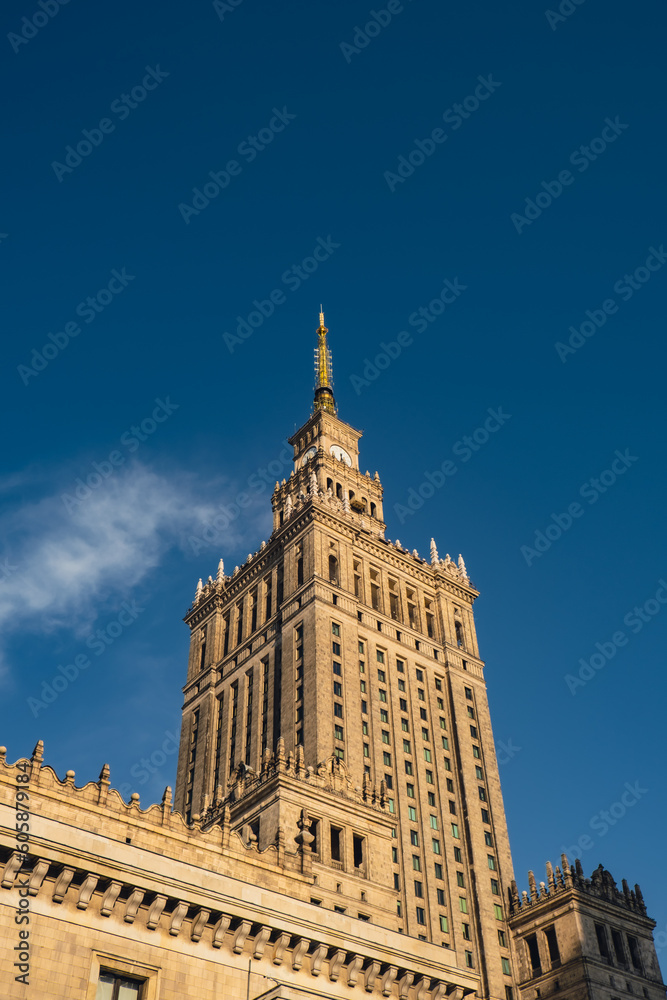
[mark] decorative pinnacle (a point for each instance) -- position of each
(324, 397)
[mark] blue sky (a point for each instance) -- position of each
(477, 186)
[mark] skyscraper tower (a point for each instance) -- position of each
(358, 660)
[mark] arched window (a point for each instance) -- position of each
(373, 510)
(459, 634)
(339, 491)
(330, 484)
(333, 570)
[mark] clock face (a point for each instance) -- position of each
(312, 451)
(340, 453)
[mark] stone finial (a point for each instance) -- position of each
(415, 554)
(550, 877)
(312, 483)
(220, 575)
(281, 760)
(462, 567)
(166, 797)
(198, 592)
(532, 885)
(236, 569)
(38, 752)
(397, 544)
(289, 507)
(640, 898)
(435, 559)
(300, 762)
(346, 501)
(276, 488)
(105, 774)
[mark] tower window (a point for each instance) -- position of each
(618, 945)
(358, 849)
(336, 837)
(534, 954)
(552, 943)
(633, 945)
(459, 634)
(333, 571)
(603, 944)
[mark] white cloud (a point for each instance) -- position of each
(64, 568)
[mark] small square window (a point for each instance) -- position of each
(383, 694)
(111, 985)
(421, 916)
(463, 904)
(458, 855)
(485, 816)
(337, 668)
(408, 767)
(414, 838)
(412, 814)
(505, 962)
(338, 710)
(460, 880)
(406, 746)
(405, 726)
(425, 734)
(436, 845)
(384, 715)
(380, 656)
(498, 910)
(335, 628)
(386, 759)
(438, 684)
(411, 791)
(339, 752)
(416, 863)
(385, 736)
(434, 822)
(444, 925)
(455, 830)
(438, 870)
(336, 648)
(476, 753)
(448, 765)
(468, 692)
(473, 732)
(419, 674)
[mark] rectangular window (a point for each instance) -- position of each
(401, 685)
(339, 753)
(362, 687)
(414, 838)
(406, 746)
(386, 759)
(491, 862)
(384, 715)
(552, 944)
(338, 689)
(423, 714)
(473, 732)
(495, 888)
(419, 675)
(436, 845)
(364, 728)
(443, 724)
(502, 939)
(429, 777)
(385, 736)
(534, 954)
(463, 904)
(408, 767)
(450, 785)
(337, 668)
(434, 822)
(338, 710)
(404, 726)
(425, 734)
(458, 855)
(400, 666)
(388, 781)
(471, 713)
(380, 656)
(452, 807)
(431, 799)
(603, 944)
(335, 628)
(421, 916)
(362, 667)
(416, 863)
(438, 874)
(338, 732)
(335, 842)
(465, 931)
(335, 648)
(112, 986)
(361, 648)
(469, 963)
(468, 692)
(509, 993)
(412, 814)
(420, 694)
(633, 945)
(427, 755)
(441, 705)
(617, 941)
(460, 880)
(382, 677)
(505, 962)
(476, 753)
(478, 773)
(498, 910)
(403, 704)
(455, 830)
(485, 816)
(448, 765)
(397, 882)
(411, 791)
(419, 889)
(367, 750)
(444, 925)
(482, 793)
(383, 694)
(364, 707)
(392, 807)
(488, 839)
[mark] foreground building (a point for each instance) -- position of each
(337, 823)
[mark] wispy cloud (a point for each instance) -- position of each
(68, 568)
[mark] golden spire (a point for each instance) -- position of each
(324, 397)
